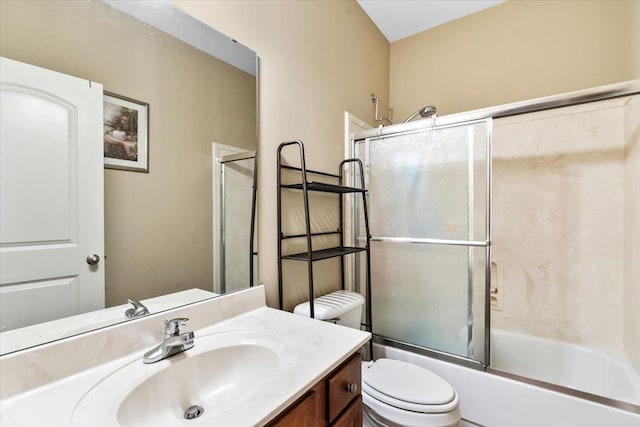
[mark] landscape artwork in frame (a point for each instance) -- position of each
(126, 133)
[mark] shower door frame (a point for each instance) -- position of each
(470, 244)
(236, 154)
(600, 93)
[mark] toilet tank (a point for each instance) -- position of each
(342, 307)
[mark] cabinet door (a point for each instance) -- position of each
(352, 417)
(303, 413)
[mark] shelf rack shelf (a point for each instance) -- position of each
(310, 255)
(324, 187)
(324, 253)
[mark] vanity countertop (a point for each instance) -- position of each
(316, 349)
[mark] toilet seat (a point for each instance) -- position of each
(408, 387)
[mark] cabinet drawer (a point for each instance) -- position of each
(343, 386)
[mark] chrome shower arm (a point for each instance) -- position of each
(374, 99)
(411, 117)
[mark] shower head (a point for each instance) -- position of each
(428, 111)
(424, 112)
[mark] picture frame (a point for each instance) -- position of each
(126, 133)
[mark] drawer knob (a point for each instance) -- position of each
(352, 388)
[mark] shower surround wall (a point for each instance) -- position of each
(631, 315)
(561, 181)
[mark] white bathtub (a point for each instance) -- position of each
(494, 401)
(565, 364)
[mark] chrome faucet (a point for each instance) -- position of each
(174, 341)
(138, 309)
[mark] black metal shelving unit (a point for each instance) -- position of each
(311, 255)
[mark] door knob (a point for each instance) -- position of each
(93, 259)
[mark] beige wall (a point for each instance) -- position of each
(158, 226)
(515, 51)
(634, 39)
(317, 59)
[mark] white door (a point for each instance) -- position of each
(352, 124)
(51, 195)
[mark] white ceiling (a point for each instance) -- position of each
(398, 19)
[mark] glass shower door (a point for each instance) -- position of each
(238, 256)
(428, 212)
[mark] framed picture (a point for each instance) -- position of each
(126, 133)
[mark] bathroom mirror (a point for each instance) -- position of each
(163, 241)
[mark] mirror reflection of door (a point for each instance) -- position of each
(51, 195)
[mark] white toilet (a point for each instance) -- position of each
(394, 393)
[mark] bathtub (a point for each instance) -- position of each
(491, 400)
(565, 364)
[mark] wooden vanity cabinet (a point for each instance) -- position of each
(333, 401)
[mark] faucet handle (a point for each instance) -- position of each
(138, 310)
(172, 327)
(135, 302)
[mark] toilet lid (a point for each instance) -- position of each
(407, 382)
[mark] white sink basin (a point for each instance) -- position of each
(218, 374)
